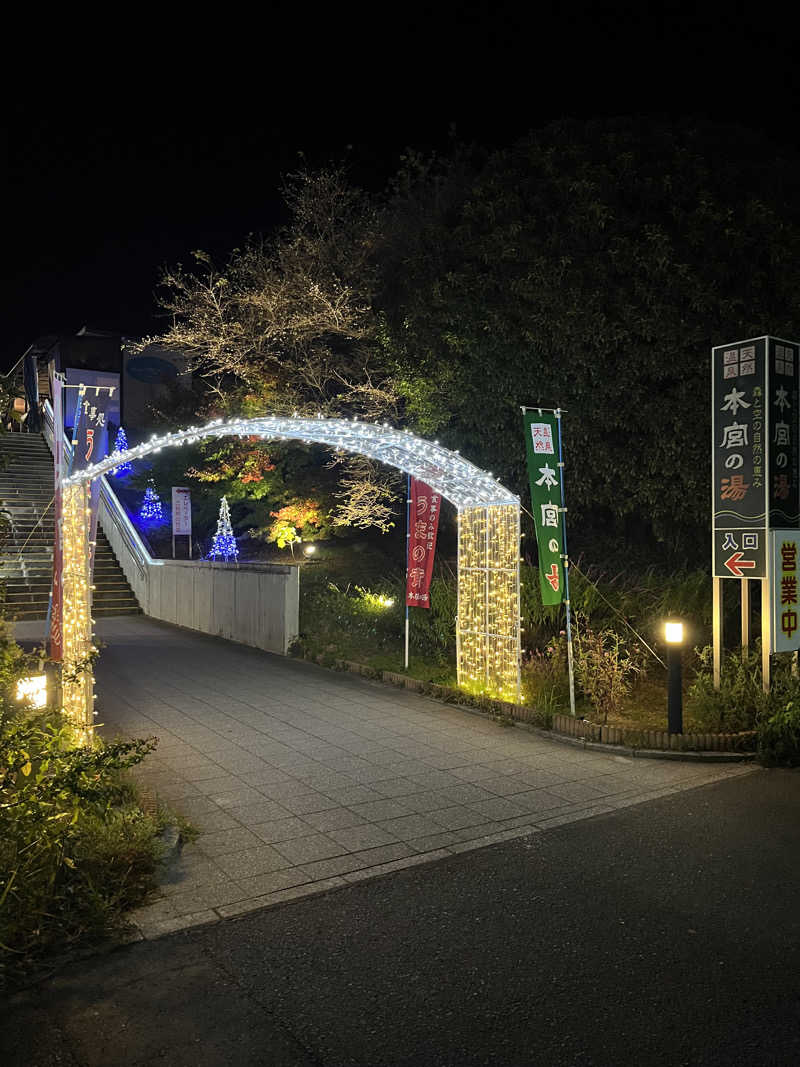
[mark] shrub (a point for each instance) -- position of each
(779, 736)
(545, 681)
(605, 665)
(738, 702)
(75, 847)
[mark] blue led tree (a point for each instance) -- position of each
(151, 510)
(224, 543)
(121, 445)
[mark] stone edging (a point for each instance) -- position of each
(659, 740)
(521, 715)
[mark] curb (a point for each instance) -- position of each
(402, 681)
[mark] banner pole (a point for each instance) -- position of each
(408, 542)
(570, 660)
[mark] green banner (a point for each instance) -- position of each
(541, 447)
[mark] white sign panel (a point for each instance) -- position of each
(181, 512)
(784, 597)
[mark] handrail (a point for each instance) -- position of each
(120, 517)
(13, 370)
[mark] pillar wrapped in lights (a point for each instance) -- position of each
(488, 627)
(77, 684)
(488, 622)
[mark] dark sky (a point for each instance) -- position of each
(127, 155)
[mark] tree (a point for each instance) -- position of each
(591, 266)
(288, 324)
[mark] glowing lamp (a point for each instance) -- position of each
(33, 690)
(309, 550)
(673, 633)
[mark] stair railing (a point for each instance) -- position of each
(113, 507)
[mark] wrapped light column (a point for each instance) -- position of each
(77, 682)
(488, 622)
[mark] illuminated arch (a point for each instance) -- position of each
(488, 620)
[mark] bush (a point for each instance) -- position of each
(605, 665)
(75, 847)
(779, 736)
(356, 620)
(740, 703)
(545, 680)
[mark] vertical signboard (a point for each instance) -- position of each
(785, 555)
(541, 444)
(181, 516)
(784, 493)
(740, 427)
(423, 524)
(181, 511)
(90, 443)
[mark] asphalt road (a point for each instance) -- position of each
(667, 933)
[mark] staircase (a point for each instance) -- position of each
(26, 560)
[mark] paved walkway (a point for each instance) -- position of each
(302, 779)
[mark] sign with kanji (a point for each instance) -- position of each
(784, 598)
(740, 457)
(755, 482)
(784, 419)
(181, 511)
(423, 525)
(90, 431)
(541, 447)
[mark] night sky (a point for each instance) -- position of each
(128, 156)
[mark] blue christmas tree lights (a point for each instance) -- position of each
(224, 543)
(121, 445)
(151, 510)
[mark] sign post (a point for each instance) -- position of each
(755, 483)
(181, 516)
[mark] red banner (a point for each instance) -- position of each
(55, 632)
(423, 524)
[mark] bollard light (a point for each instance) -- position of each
(673, 635)
(32, 691)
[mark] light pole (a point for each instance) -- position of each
(673, 634)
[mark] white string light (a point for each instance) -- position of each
(487, 626)
(448, 473)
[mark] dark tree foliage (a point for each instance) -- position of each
(591, 266)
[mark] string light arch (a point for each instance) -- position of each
(488, 619)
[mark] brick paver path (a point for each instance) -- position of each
(301, 779)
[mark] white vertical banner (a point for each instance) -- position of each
(784, 577)
(181, 511)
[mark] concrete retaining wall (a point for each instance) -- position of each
(256, 604)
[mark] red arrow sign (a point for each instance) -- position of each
(736, 564)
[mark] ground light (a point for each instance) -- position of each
(673, 635)
(33, 690)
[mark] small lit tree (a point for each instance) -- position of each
(224, 543)
(121, 445)
(151, 510)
